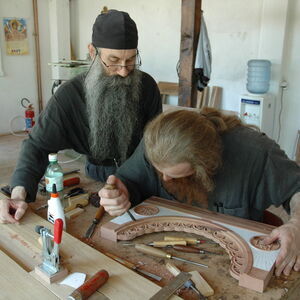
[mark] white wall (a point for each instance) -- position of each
(19, 78)
(238, 31)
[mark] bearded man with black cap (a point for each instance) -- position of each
(101, 113)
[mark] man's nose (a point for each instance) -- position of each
(123, 71)
(166, 177)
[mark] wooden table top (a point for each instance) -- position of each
(217, 275)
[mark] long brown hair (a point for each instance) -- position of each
(188, 136)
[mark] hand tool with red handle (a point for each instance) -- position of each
(50, 254)
(90, 286)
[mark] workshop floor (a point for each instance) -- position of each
(9, 152)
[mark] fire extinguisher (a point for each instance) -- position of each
(29, 114)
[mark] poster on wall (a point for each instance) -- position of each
(15, 31)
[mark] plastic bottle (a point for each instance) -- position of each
(55, 208)
(54, 175)
(259, 74)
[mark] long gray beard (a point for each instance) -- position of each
(113, 111)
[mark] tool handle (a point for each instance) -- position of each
(173, 269)
(152, 251)
(90, 286)
(109, 186)
(167, 243)
(99, 214)
(71, 181)
(58, 227)
(188, 240)
(188, 249)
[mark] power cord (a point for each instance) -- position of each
(283, 86)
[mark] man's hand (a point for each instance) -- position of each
(289, 255)
(115, 202)
(12, 210)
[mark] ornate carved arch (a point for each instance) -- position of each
(239, 252)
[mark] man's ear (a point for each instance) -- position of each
(92, 51)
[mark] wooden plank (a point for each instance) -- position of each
(76, 257)
(190, 29)
(16, 283)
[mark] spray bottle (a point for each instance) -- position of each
(55, 209)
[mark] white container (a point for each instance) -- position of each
(259, 75)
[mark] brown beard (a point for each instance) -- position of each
(187, 189)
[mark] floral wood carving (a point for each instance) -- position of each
(239, 252)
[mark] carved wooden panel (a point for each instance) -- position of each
(251, 264)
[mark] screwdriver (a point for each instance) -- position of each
(189, 284)
(192, 249)
(159, 253)
(191, 241)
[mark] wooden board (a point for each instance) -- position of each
(20, 243)
(252, 266)
(16, 283)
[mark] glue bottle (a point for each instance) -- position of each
(55, 209)
(54, 175)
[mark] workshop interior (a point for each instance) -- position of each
(239, 57)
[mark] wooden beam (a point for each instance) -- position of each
(190, 29)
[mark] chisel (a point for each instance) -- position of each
(166, 243)
(132, 266)
(113, 187)
(191, 241)
(96, 220)
(159, 253)
(191, 249)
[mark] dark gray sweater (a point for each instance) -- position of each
(255, 174)
(64, 125)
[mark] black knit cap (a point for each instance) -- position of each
(115, 30)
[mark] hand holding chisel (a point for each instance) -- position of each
(115, 201)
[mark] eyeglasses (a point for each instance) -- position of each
(119, 67)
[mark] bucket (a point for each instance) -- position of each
(259, 74)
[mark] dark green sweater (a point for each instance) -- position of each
(64, 125)
(255, 174)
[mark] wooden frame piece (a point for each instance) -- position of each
(190, 30)
(210, 225)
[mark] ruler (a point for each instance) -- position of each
(167, 291)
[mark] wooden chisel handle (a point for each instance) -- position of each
(152, 251)
(173, 269)
(167, 243)
(188, 249)
(99, 214)
(109, 186)
(188, 240)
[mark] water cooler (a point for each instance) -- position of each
(258, 109)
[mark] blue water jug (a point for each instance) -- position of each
(259, 74)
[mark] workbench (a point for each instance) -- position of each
(217, 275)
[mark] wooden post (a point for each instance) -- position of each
(190, 29)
